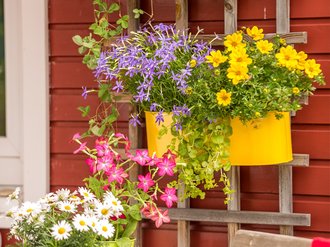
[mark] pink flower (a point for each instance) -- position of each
(161, 218)
(115, 174)
(166, 166)
(104, 162)
(141, 157)
(169, 197)
(171, 156)
(76, 137)
(92, 165)
(102, 147)
(145, 182)
(81, 148)
(149, 211)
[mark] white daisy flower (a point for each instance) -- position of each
(86, 193)
(81, 223)
(51, 197)
(115, 206)
(67, 206)
(30, 209)
(75, 199)
(105, 229)
(63, 194)
(108, 196)
(104, 210)
(15, 194)
(93, 222)
(61, 230)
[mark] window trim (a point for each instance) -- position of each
(26, 145)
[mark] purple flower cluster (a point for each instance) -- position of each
(154, 66)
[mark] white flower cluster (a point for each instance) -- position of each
(79, 211)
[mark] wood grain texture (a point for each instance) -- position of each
(246, 238)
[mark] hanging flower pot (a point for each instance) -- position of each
(266, 141)
(262, 142)
(155, 143)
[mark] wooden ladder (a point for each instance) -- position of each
(286, 219)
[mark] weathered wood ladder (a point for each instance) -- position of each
(286, 219)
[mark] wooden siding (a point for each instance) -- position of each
(259, 185)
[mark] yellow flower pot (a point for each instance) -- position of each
(156, 144)
(266, 141)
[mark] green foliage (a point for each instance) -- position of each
(102, 29)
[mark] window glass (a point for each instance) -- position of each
(2, 74)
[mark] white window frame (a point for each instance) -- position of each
(24, 152)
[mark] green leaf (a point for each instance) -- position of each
(217, 139)
(103, 93)
(130, 228)
(82, 50)
(77, 40)
(95, 130)
(84, 110)
(134, 212)
(114, 7)
(124, 242)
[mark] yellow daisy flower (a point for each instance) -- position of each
(287, 57)
(192, 63)
(239, 56)
(255, 33)
(264, 46)
(312, 68)
(237, 72)
(223, 97)
(295, 90)
(302, 56)
(216, 58)
(234, 41)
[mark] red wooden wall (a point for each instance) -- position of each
(310, 129)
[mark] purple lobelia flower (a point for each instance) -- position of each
(160, 117)
(85, 92)
(153, 107)
(134, 120)
(118, 87)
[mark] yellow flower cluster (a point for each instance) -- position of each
(291, 59)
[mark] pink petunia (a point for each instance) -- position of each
(171, 156)
(115, 174)
(102, 147)
(166, 166)
(141, 157)
(92, 165)
(76, 137)
(145, 182)
(169, 197)
(161, 218)
(104, 163)
(149, 211)
(81, 148)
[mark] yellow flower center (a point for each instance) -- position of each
(82, 223)
(114, 203)
(104, 228)
(29, 210)
(104, 211)
(61, 230)
(67, 207)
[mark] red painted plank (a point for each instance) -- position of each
(316, 143)
(316, 112)
(318, 35)
(309, 9)
(71, 75)
(64, 107)
(164, 11)
(75, 11)
(4, 235)
(264, 179)
(61, 43)
(68, 172)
